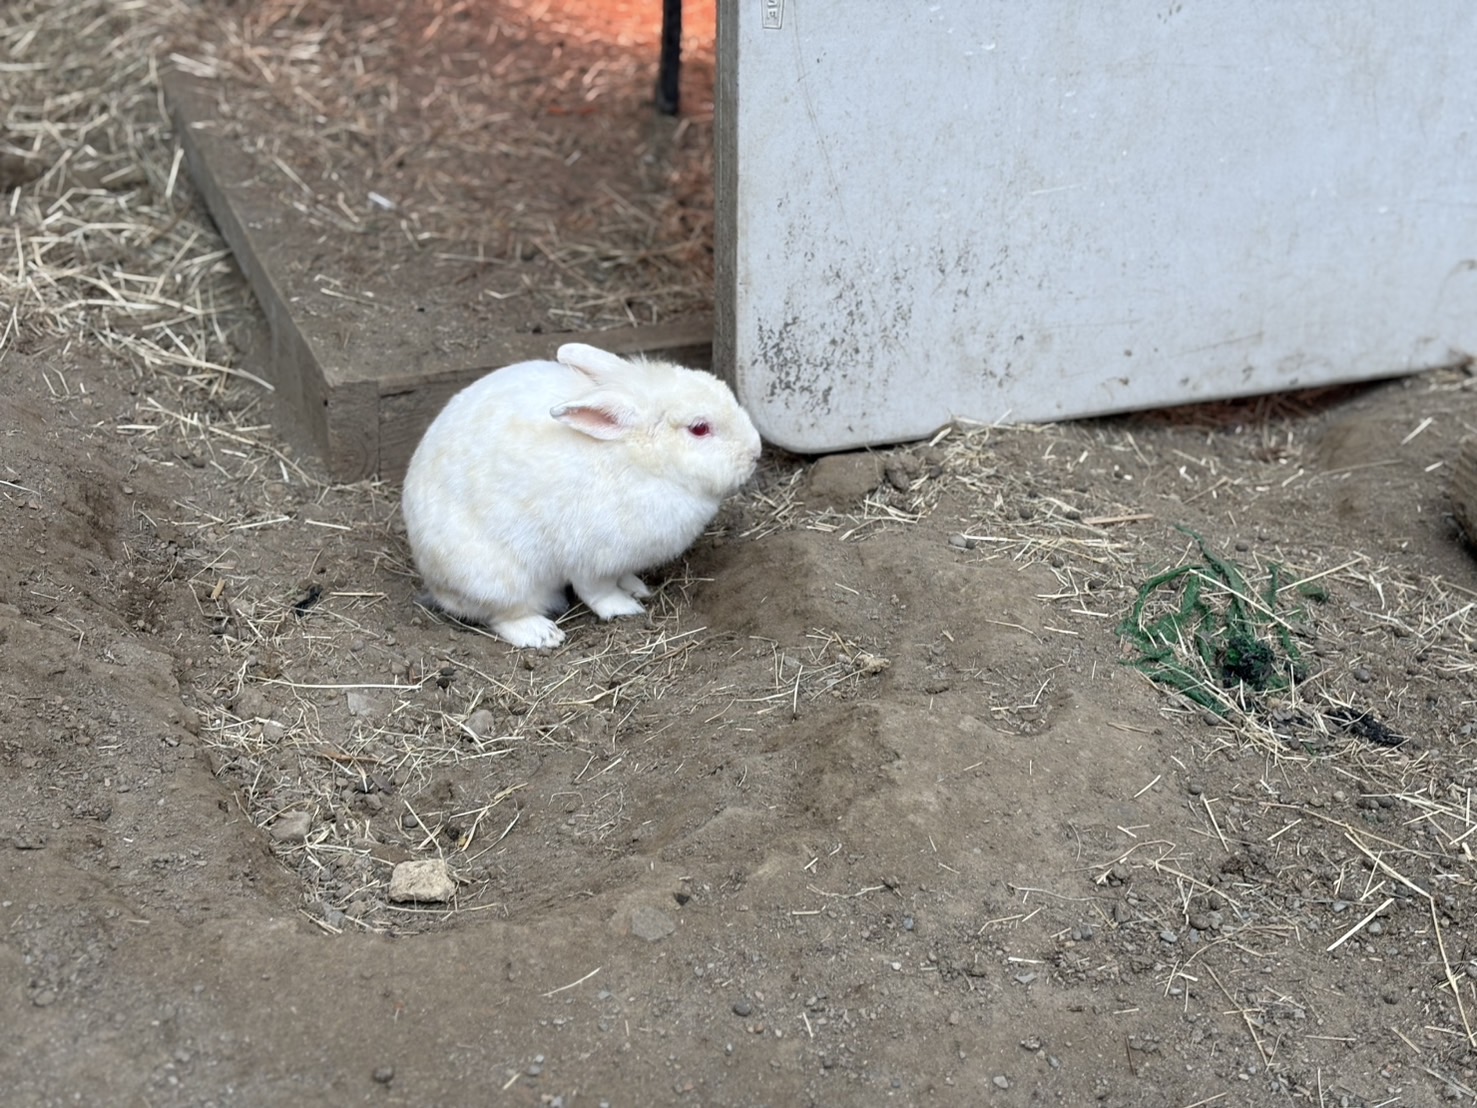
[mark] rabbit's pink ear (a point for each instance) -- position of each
(601, 415)
(592, 362)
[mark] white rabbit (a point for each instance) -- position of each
(578, 472)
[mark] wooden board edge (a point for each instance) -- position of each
(341, 421)
(408, 402)
(1463, 491)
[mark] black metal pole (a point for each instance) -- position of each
(670, 67)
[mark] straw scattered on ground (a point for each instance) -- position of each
(316, 707)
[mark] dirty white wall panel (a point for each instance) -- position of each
(995, 209)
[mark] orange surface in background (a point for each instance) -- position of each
(630, 21)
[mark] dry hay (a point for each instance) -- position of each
(105, 243)
(451, 135)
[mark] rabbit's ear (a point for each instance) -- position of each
(601, 415)
(596, 364)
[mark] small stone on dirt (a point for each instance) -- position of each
(360, 703)
(291, 827)
(651, 924)
(426, 879)
(1000, 1081)
(743, 1008)
(384, 1074)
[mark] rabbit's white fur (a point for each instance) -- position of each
(580, 472)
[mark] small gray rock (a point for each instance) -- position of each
(360, 703)
(651, 924)
(425, 879)
(743, 1008)
(481, 723)
(291, 827)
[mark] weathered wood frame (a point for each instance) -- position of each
(363, 420)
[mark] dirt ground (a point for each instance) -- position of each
(872, 808)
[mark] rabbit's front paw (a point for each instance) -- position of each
(538, 632)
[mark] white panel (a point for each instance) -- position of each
(992, 208)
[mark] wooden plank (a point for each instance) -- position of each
(291, 368)
(341, 419)
(1464, 491)
(361, 378)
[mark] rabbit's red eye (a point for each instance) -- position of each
(700, 429)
